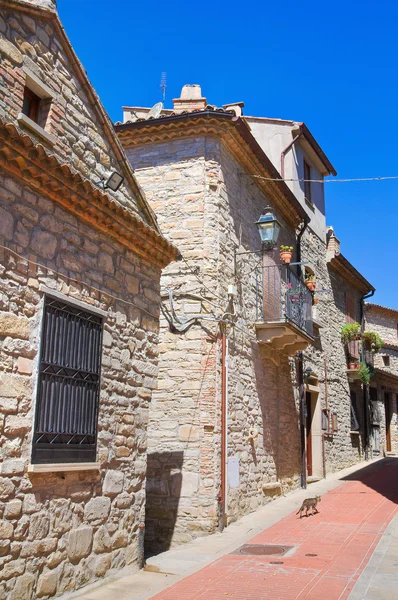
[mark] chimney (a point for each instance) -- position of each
(332, 244)
(190, 99)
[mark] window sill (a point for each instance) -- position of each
(355, 432)
(26, 122)
(62, 467)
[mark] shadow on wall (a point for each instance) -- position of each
(275, 388)
(163, 490)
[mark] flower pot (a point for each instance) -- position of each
(311, 285)
(286, 257)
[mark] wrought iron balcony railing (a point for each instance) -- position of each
(282, 296)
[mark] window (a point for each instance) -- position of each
(354, 412)
(307, 182)
(68, 385)
(31, 105)
(386, 361)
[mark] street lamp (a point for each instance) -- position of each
(268, 228)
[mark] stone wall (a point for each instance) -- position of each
(30, 42)
(327, 356)
(384, 322)
(60, 531)
(207, 205)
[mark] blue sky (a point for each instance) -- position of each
(333, 66)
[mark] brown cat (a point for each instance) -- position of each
(309, 503)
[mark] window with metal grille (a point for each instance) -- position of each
(68, 385)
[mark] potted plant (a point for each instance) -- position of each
(364, 373)
(353, 363)
(372, 341)
(286, 253)
(310, 282)
(350, 332)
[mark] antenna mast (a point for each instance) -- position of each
(163, 86)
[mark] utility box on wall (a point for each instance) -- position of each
(233, 472)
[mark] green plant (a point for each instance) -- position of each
(309, 277)
(350, 332)
(372, 341)
(286, 248)
(364, 373)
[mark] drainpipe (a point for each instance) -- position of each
(285, 151)
(365, 388)
(222, 498)
(301, 371)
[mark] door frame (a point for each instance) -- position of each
(388, 417)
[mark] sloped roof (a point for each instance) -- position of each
(46, 9)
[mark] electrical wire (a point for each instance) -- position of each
(327, 180)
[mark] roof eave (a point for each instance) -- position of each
(244, 131)
(303, 129)
(344, 267)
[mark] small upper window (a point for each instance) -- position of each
(307, 182)
(386, 361)
(31, 105)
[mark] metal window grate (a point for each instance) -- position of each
(68, 385)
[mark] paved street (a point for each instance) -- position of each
(348, 550)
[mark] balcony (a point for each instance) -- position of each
(284, 310)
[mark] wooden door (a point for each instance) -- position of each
(309, 433)
(387, 409)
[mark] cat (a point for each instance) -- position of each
(309, 503)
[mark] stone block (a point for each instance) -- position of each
(100, 564)
(13, 467)
(97, 509)
(29, 504)
(4, 547)
(25, 365)
(6, 222)
(13, 509)
(102, 541)
(79, 543)
(119, 540)
(23, 588)
(44, 243)
(13, 326)
(189, 433)
(39, 526)
(189, 484)
(13, 569)
(12, 386)
(113, 483)
(6, 530)
(61, 515)
(47, 584)
(6, 488)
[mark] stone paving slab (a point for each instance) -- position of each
(346, 521)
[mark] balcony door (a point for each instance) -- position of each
(309, 432)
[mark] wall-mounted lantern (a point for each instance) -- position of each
(268, 228)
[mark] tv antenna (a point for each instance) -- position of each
(163, 86)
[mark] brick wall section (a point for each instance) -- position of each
(207, 205)
(61, 531)
(32, 43)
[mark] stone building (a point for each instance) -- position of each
(384, 382)
(242, 359)
(79, 306)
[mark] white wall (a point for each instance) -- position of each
(273, 137)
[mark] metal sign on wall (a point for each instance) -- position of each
(233, 472)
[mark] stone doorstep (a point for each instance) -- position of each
(173, 565)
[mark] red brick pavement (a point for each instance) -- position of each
(343, 536)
